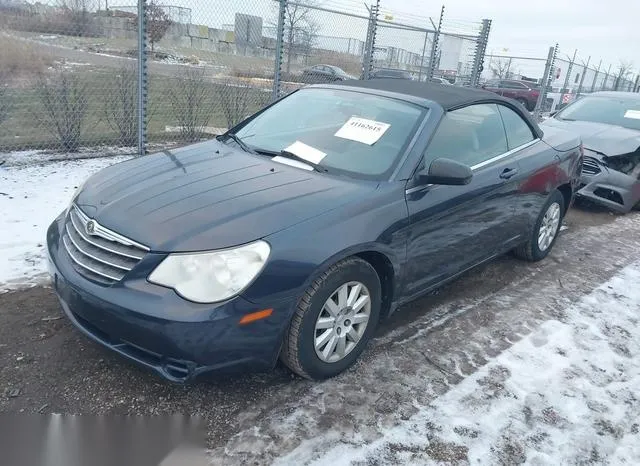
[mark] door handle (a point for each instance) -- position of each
(508, 173)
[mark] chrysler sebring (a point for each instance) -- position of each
(295, 233)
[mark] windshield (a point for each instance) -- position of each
(619, 111)
(358, 134)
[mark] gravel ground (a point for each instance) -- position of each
(421, 352)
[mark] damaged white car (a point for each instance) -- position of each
(609, 124)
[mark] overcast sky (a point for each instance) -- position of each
(605, 29)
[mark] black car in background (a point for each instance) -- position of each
(320, 74)
(389, 73)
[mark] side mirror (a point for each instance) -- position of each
(446, 172)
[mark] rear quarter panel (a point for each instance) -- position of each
(569, 152)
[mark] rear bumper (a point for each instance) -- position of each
(157, 329)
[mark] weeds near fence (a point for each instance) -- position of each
(19, 58)
(120, 107)
(65, 102)
(191, 102)
(234, 100)
(6, 100)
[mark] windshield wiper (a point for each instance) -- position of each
(233, 136)
(292, 156)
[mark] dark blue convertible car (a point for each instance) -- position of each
(292, 235)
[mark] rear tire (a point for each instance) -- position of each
(303, 351)
(544, 233)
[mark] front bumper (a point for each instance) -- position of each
(612, 189)
(154, 327)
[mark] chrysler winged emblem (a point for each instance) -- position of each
(90, 227)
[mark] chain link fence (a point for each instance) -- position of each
(96, 76)
(63, 87)
(92, 76)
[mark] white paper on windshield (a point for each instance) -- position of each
(306, 152)
(635, 114)
(293, 163)
(362, 130)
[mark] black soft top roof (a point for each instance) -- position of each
(448, 97)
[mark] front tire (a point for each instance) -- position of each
(334, 320)
(544, 233)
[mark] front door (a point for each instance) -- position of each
(455, 227)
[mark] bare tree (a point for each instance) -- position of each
(120, 107)
(300, 29)
(624, 70)
(78, 13)
(191, 102)
(233, 98)
(65, 104)
(158, 23)
(501, 68)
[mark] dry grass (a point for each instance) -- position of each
(20, 60)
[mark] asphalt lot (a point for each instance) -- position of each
(46, 366)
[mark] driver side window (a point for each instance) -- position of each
(470, 135)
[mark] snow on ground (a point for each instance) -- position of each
(32, 157)
(569, 393)
(31, 196)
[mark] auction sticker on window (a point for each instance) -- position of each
(635, 114)
(362, 130)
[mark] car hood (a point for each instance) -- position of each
(609, 140)
(209, 196)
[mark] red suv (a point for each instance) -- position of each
(524, 92)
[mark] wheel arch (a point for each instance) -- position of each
(386, 274)
(383, 261)
(567, 194)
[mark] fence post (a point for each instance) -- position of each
(595, 78)
(424, 51)
(481, 49)
(277, 72)
(370, 46)
(568, 75)
(142, 77)
(606, 79)
(584, 72)
(434, 47)
(546, 81)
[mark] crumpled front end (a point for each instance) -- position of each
(611, 181)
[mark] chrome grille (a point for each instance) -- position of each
(98, 253)
(590, 166)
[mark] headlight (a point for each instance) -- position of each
(210, 277)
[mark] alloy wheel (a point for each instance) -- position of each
(342, 322)
(549, 227)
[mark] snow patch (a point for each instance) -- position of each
(34, 157)
(31, 197)
(565, 394)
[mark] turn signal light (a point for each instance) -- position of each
(247, 319)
